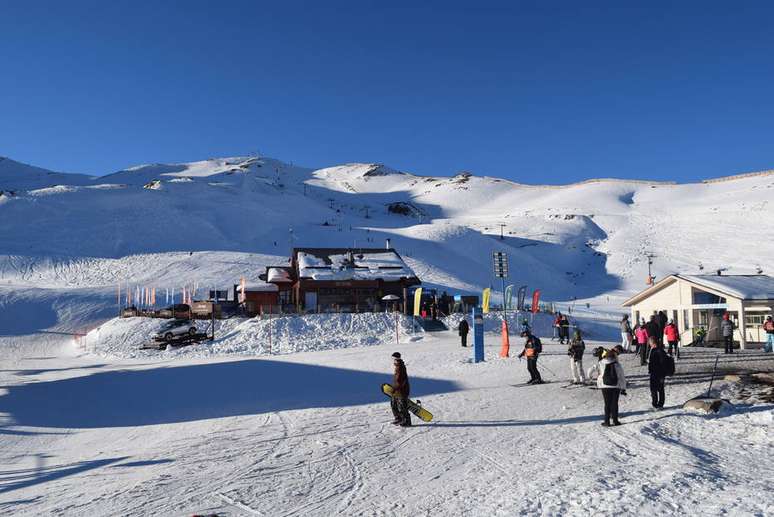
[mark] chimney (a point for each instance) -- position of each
(388, 244)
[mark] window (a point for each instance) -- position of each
(753, 320)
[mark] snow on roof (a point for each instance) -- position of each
(746, 287)
(342, 264)
(262, 287)
(278, 275)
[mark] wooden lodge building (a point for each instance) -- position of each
(338, 280)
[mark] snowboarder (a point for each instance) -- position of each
(658, 371)
(768, 326)
(575, 351)
(642, 341)
(727, 329)
(626, 333)
(532, 349)
(463, 330)
(672, 335)
(400, 393)
(612, 382)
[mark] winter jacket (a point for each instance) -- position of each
(768, 326)
(463, 328)
(618, 370)
(400, 381)
(577, 347)
(727, 328)
(625, 327)
(662, 319)
(653, 328)
(531, 348)
(657, 363)
(642, 335)
(671, 332)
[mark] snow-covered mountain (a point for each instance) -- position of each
(212, 221)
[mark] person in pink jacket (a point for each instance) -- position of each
(642, 342)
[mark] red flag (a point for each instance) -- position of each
(536, 301)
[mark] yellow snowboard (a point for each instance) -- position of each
(414, 407)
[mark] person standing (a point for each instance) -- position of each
(532, 349)
(727, 330)
(400, 392)
(626, 333)
(564, 327)
(657, 371)
(642, 342)
(463, 330)
(557, 326)
(612, 382)
(768, 326)
(672, 335)
(575, 351)
(662, 320)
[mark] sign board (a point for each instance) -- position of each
(500, 263)
(478, 335)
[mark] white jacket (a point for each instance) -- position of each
(618, 371)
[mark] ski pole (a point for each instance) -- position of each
(549, 370)
(714, 368)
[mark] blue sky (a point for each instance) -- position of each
(538, 92)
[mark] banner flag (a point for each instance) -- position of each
(417, 301)
(485, 300)
(520, 298)
(508, 297)
(536, 301)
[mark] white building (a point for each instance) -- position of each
(699, 301)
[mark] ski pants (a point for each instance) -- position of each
(677, 350)
(769, 343)
(644, 354)
(577, 370)
(729, 342)
(611, 395)
(657, 391)
(534, 374)
(400, 410)
(626, 341)
(464, 339)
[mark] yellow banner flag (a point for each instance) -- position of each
(417, 301)
(485, 300)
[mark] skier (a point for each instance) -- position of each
(575, 351)
(626, 333)
(400, 393)
(557, 326)
(463, 330)
(768, 326)
(564, 328)
(727, 329)
(532, 349)
(658, 371)
(672, 336)
(612, 382)
(642, 341)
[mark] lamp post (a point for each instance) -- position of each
(394, 299)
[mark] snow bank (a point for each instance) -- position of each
(121, 338)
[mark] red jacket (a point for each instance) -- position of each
(642, 335)
(768, 326)
(671, 332)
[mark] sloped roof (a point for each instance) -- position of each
(351, 264)
(746, 287)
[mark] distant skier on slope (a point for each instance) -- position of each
(401, 391)
(575, 351)
(612, 382)
(532, 349)
(463, 330)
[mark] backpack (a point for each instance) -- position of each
(610, 377)
(669, 365)
(537, 345)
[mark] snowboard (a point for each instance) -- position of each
(414, 407)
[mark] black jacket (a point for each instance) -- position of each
(576, 349)
(657, 363)
(653, 329)
(463, 328)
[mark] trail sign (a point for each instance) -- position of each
(500, 263)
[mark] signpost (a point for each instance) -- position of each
(500, 263)
(478, 335)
